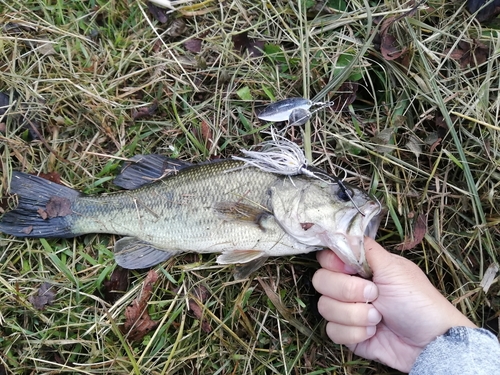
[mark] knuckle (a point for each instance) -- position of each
(350, 290)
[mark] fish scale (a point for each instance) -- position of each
(190, 222)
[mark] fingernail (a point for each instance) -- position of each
(370, 292)
(370, 330)
(374, 317)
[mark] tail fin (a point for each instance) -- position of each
(43, 210)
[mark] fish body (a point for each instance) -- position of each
(245, 214)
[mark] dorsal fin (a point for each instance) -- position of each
(141, 170)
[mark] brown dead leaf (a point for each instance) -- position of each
(159, 14)
(193, 45)
(389, 45)
(470, 54)
(206, 132)
(345, 96)
(200, 294)
(27, 230)
(44, 297)
(243, 43)
(418, 234)
(58, 206)
(145, 111)
(46, 48)
(390, 48)
(43, 214)
(138, 323)
(117, 284)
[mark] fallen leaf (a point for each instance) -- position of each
(389, 46)
(138, 323)
(201, 293)
(58, 206)
(117, 284)
(414, 145)
(145, 111)
(383, 140)
(27, 230)
(418, 234)
(193, 45)
(243, 43)
(344, 96)
(159, 14)
(43, 214)
(470, 54)
(206, 132)
(44, 297)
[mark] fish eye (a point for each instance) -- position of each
(344, 194)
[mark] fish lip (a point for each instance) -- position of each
(371, 223)
(348, 243)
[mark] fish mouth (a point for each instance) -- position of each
(347, 241)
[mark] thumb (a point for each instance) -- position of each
(394, 270)
(376, 256)
(385, 263)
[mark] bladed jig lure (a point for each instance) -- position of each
(285, 157)
(294, 110)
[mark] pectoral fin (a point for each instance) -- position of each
(141, 170)
(132, 253)
(245, 270)
(241, 211)
(249, 260)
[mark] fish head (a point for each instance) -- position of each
(323, 214)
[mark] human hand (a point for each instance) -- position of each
(390, 319)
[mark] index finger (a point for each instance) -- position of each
(329, 260)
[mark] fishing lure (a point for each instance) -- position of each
(294, 110)
(282, 156)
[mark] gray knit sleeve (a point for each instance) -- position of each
(462, 351)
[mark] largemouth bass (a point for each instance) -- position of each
(245, 214)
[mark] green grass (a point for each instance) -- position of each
(422, 135)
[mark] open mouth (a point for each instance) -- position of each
(348, 242)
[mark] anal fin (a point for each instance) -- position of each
(132, 253)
